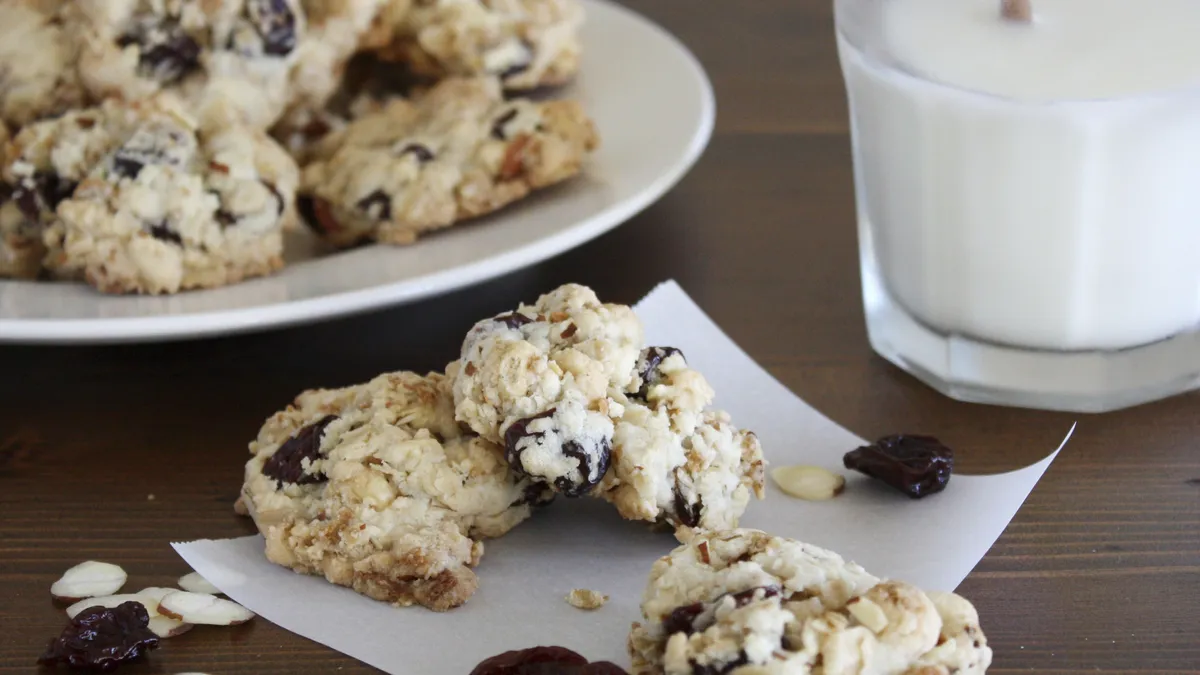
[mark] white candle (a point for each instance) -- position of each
(1074, 49)
(1036, 184)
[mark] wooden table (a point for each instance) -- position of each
(112, 452)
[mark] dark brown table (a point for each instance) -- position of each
(1099, 572)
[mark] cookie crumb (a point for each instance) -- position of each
(586, 599)
(150, 497)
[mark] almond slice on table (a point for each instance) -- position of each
(201, 608)
(194, 583)
(156, 593)
(166, 627)
(160, 625)
(88, 580)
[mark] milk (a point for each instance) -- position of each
(1030, 185)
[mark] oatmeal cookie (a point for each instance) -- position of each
(566, 385)
(457, 152)
(229, 59)
(37, 58)
(526, 43)
(743, 601)
(538, 380)
(377, 488)
(131, 197)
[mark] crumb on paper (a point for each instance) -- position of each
(586, 599)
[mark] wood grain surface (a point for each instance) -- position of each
(1099, 572)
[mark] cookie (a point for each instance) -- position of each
(538, 380)
(743, 601)
(525, 43)
(377, 488)
(231, 60)
(579, 404)
(38, 60)
(457, 152)
(132, 198)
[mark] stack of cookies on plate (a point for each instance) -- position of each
(153, 146)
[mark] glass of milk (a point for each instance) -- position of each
(1028, 193)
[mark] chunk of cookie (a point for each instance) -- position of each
(526, 43)
(457, 152)
(375, 487)
(231, 60)
(37, 58)
(742, 601)
(538, 380)
(701, 478)
(132, 198)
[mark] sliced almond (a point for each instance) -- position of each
(110, 601)
(201, 608)
(868, 614)
(194, 583)
(166, 627)
(585, 598)
(156, 593)
(88, 580)
(812, 483)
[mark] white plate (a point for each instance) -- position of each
(653, 106)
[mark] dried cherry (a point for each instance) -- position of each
(687, 514)
(276, 25)
(287, 464)
(513, 320)
(101, 639)
(162, 232)
(592, 462)
(647, 367)
(377, 205)
(918, 466)
(544, 661)
(684, 619)
(167, 52)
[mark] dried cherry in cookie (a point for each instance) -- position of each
(544, 661)
(498, 127)
(276, 25)
(162, 232)
(101, 639)
(685, 513)
(422, 153)
(698, 616)
(378, 204)
(41, 194)
(916, 465)
(513, 320)
(572, 461)
(287, 464)
(168, 53)
(647, 367)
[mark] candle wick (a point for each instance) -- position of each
(1020, 11)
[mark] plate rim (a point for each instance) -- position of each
(179, 327)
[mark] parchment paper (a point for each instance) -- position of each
(934, 542)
